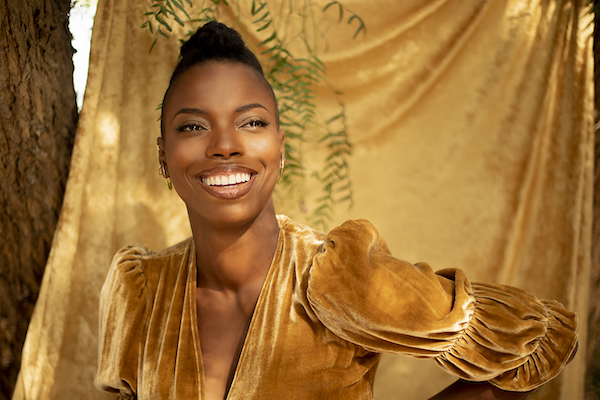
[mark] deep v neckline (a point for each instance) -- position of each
(258, 307)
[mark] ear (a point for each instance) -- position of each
(281, 133)
(162, 160)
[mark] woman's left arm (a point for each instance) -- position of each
(478, 332)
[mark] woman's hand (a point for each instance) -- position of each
(478, 391)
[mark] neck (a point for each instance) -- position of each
(229, 258)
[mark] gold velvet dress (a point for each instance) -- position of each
(330, 305)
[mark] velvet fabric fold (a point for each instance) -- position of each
(330, 305)
(124, 304)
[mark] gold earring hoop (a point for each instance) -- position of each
(281, 167)
(162, 171)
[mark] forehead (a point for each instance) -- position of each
(218, 85)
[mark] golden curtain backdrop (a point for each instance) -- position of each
(471, 122)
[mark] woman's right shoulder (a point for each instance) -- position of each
(127, 298)
(139, 259)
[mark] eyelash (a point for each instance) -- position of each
(252, 123)
(190, 127)
(256, 123)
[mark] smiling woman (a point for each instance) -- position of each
(219, 123)
(256, 306)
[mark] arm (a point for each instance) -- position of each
(122, 315)
(478, 332)
(463, 390)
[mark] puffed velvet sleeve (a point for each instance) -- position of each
(123, 302)
(478, 332)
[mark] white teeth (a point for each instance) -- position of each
(225, 180)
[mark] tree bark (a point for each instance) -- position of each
(38, 116)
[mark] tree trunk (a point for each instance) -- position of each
(38, 117)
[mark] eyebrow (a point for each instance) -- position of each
(238, 110)
(250, 107)
(190, 111)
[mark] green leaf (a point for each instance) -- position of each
(262, 28)
(254, 10)
(269, 50)
(176, 18)
(326, 206)
(153, 43)
(270, 38)
(334, 118)
(163, 22)
(179, 5)
(171, 9)
(347, 186)
(361, 26)
(340, 8)
(265, 15)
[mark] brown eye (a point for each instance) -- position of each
(255, 123)
(190, 128)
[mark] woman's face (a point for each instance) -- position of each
(221, 145)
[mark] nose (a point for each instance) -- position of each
(224, 143)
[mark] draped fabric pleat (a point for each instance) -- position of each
(472, 131)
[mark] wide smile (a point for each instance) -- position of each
(227, 182)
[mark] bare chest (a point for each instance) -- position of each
(222, 327)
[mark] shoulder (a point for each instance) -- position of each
(125, 269)
(349, 229)
(351, 239)
(299, 232)
(323, 254)
(140, 256)
(133, 265)
(352, 234)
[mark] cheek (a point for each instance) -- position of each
(267, 149)
(179, 154)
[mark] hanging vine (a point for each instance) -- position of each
(295, 77)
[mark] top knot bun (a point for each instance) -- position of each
(214, 41)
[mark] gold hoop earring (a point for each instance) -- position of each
(281, 167)
(162, 171)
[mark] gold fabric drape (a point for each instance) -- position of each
(472, 129)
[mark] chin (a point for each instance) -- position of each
(234, 215)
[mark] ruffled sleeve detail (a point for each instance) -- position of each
(123, 304)
(514, 340)
(476, 331)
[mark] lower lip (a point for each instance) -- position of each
(229, 192)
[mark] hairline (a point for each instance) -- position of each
(259, 74)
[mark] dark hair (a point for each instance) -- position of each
(217, 42)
